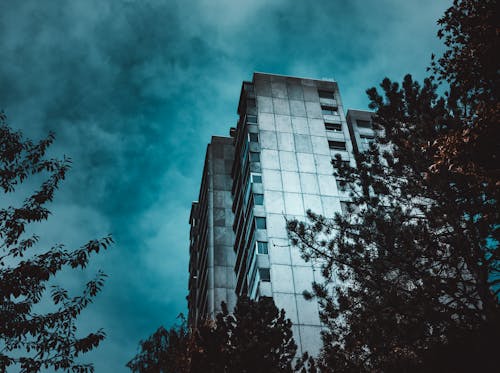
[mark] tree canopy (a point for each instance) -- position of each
(256, 337)
(412, 269)
(31, 340)
(164, 351)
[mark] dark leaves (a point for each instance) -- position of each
(413, 267)
(256, 337)
(32, 341)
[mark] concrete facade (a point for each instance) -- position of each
(361, 129)
(300, 126)
(211, 262)
(289, 130)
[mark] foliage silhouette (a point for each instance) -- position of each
(256, 337)
(164, 351)
(31, 341)
(412, 269)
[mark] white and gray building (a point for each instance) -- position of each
(289, 130)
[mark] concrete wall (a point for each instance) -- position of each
(222, 258)
(297, 175)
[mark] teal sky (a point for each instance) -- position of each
(134, 90)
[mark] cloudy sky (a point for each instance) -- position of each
(135, 88)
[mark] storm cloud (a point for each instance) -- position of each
(134, 90)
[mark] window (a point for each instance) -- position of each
(260, 223)
(253, 137)
(336, 145)
(251, 119)
(254, 157)
(264, 274)
(256, 178)
(333, 126)
(364, 123)
(262, 247)
(326, 94)
(258, 199)
(365, 141)
(251, 102)
(329, 110)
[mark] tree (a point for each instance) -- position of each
(262, 337)
(470, 68)
(29, 340)
(411, 270)
(256, 337)
(163, 352)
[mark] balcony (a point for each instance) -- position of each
(328, 101)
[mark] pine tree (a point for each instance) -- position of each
(411, 271)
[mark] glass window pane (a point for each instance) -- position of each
(254, 137)
(258, 199)
(329, 110)
(262, 247)
(326, 94)
(264, 274)
(256, 178)
(364, 123)
(254, 157)
(333, 126)
(251, 119)
(337, 145)
(260, 223)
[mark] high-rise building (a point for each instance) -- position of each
(289, 130)
(211, 262)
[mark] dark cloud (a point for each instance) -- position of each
(135, 89)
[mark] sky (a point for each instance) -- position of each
(134, 89)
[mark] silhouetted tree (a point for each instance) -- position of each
(410, 270)
(31, 341)
(256, 337)
(166, 351)
(262, 337)
(470, 67)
